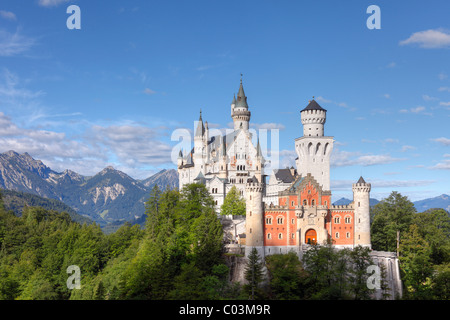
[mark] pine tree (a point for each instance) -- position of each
(254, 274)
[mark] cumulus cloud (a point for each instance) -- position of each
(443, 141)
(429, 39)
(132, 147)
(341, 158)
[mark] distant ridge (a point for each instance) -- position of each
(439, 202)
(110, 196)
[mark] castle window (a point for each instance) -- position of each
(216, 202)
(292, 221)
(292, 235)
(347, 235)
(250, 213)
(269, 220)
(250, 230)
(280, 220)
(347, 219)
(337, 220)
(325, 202)
(293, 202)
(305, 202)
(280, 236)
(359, 204)
(312, 202)
(336, 235)
(269, 236)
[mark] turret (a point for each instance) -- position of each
(180, 159)
(199, 144)
(361, 198)
(223, 172)
(254, 220)
(313, 119)
(314, 149)
(240, 113)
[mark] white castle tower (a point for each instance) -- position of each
(361, 196)
(314, 149)
(254, 219)
(239, 110)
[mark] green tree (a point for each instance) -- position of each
(360, 260)
(328, 271)
(287, 276)
(416, 264)
(233, 204)
(254, 275)
(389, 216)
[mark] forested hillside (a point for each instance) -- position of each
(179, 255)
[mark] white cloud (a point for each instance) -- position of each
(8, 15)
(444, 89)
(444, 104)
(443, 141)
(149, 91)
(341, 158)
(340, 104)
(444, 165)
(387, 95)
(12, 44)
(51, 3)
(442, 76)
(378, 183)
(391, 65)
(416, 110)
(429, 39)
(267, 126)
(407, 148)
(429, 98)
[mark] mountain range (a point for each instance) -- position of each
(110, 196)
(442, 201)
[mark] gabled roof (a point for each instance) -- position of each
(361, 180)
(313, 105)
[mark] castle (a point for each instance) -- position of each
(294, 208)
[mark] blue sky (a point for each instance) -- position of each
(114, 92)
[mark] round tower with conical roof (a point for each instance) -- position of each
(361, 202)
(239, 110)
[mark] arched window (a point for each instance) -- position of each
(337, 219)
(269, 236)
(280, 220)
(269, 220)
(313, 202)
(280, 236)
(305, 202)
(348, 219)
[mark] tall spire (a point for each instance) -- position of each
(241, 98)
(200, 127)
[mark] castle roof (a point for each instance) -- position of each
(313, 105)
(200, 127)
(361, 180)
(284, 175)
(241, 98)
